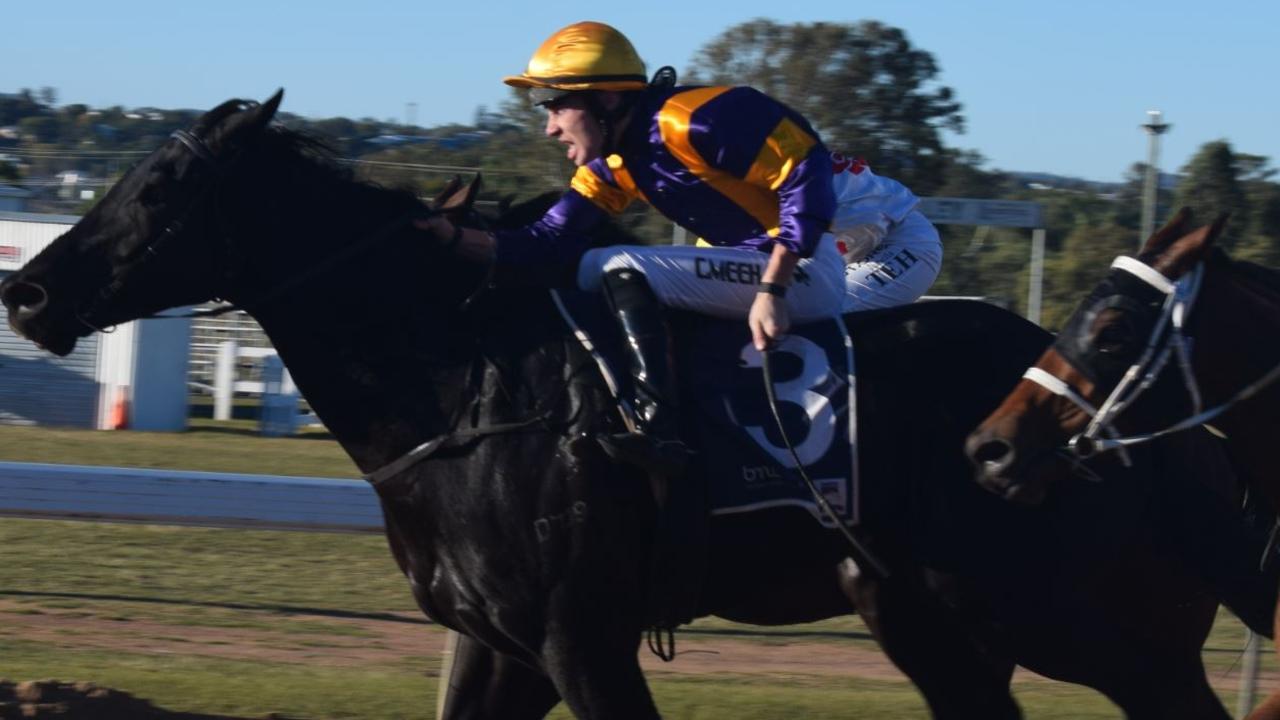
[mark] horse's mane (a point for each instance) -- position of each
(1260, 274)
(321, 162)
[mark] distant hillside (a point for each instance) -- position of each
(1051, 181)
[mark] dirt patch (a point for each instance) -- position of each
(357, 642)
(81, 701)
(338, 641)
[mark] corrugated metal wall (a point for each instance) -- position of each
(36, 387)
(22, 235)
(39, 388)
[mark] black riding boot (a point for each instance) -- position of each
(657, 446)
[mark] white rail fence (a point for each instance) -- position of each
(179, 497)
(280, 399)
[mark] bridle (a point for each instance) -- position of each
(1168, 338)
(200, 151)
(142, 258)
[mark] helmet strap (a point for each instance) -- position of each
(607, 119)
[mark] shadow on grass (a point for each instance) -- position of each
(283, 609)
(789, 633)
(252, 431)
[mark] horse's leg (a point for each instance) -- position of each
(598, 674)
(957, 678)
(1161, 691)
(1138, 643)
(480, 684)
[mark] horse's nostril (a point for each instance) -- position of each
(994, 453)
(25, 298)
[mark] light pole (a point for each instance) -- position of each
(1155, 127)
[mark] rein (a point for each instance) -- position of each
(861, 554)
(382, 478)
(200, 149)
(1179, 300)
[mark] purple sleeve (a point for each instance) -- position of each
(806, 203)
(560, 236)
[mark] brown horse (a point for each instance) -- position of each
(1128, 345)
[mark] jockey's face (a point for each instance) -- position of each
(570, 122)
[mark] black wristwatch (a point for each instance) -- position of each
(773, 288)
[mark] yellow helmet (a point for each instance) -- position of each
(582, 56)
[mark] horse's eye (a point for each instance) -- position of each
(1113, 337)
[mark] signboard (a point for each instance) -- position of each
(968, 211)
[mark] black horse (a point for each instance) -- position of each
(531, 543)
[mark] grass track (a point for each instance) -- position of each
(197, 600)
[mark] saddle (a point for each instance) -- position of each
(740, 461)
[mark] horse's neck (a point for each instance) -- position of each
(1237, 341)
(382, 368)
(377, 402)
(1237, 338)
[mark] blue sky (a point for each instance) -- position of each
(1055, 86)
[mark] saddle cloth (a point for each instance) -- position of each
(725, 415)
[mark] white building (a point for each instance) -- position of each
(140, 369)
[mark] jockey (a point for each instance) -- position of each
(736, 167)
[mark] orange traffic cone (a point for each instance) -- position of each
(119, 417)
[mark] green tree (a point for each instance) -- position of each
(1262, 237)
(1078, 265)
(965, 177)
(1211, 184)
(38, 128)
(864, 87)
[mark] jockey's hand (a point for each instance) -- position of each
(768, 319)
(440, 229)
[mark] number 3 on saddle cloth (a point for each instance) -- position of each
(725, 416)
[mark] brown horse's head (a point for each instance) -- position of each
(1016, 450)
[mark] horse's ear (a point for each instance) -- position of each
(1190, 249)
(266, 112)
(445, 194)
(473, 189)
(247, 122)
(462, 199)
(1177, 227)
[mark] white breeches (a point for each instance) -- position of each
(898, 271)
(722, 281)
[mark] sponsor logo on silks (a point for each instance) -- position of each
(744, 273)
(728, 271)
(840, 163)
(894, 267)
